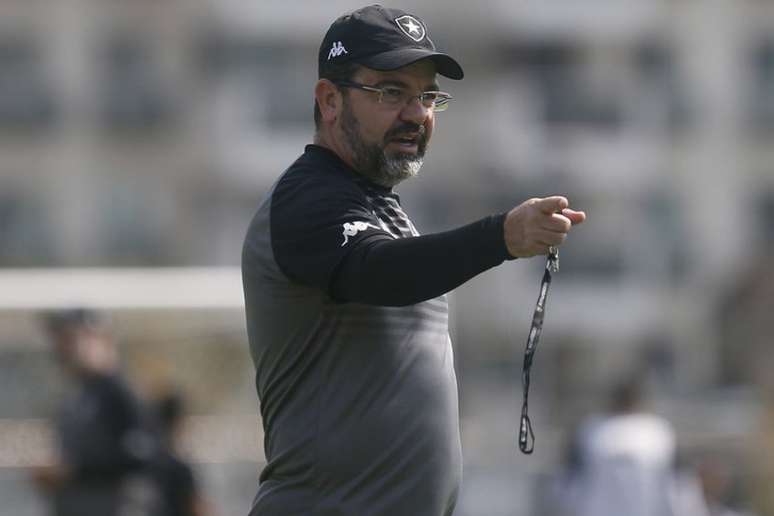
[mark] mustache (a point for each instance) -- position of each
(407, 128)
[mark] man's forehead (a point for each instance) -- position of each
(422, 72)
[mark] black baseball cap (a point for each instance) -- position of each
(381, 38)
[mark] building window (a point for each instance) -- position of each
(133, 99)
(557, 71)
(26, 101)
(26, 231)
(274, 83)
(761, 98)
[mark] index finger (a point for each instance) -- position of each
(551, 205)
(576, 217)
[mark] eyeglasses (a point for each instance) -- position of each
(395, 96)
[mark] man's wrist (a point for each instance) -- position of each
(500, 222)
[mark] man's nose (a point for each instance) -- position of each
(415, 112)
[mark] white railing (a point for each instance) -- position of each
(121, 288)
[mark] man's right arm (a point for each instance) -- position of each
(325, 236)
(410, 270)
(405, 271)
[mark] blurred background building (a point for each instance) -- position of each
(136, 138)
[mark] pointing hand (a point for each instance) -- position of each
(536, 224)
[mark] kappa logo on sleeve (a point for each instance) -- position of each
(353, 228)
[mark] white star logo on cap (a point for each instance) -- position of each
(411, 27)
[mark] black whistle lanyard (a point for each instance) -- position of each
(526, 435)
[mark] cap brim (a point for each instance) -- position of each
(394, 59)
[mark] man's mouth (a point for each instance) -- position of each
(407, 141)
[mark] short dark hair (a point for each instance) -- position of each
(627, 394)
(58, 321)
(340, 72)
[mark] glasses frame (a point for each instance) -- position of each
(437, 105)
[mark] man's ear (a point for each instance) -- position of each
(328, 99)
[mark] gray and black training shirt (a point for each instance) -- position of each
(348, 327)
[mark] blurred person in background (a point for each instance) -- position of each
(345, 303)
(179, 493)
(624, 462)
(103, 437)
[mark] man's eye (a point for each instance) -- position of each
(392, 94)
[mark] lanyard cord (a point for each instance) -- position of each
(526, 435)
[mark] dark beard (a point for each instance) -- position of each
(372, 160)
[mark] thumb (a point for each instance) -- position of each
(551, 205)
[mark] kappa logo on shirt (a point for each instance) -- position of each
(353, 228)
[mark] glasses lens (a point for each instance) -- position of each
(428, 98)
(393, 96)
(441, 102)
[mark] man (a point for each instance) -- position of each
(346, 308)
(179, 492)
(103, 439)
(623, 461)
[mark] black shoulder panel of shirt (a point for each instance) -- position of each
(312, 204)
(325, 235)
